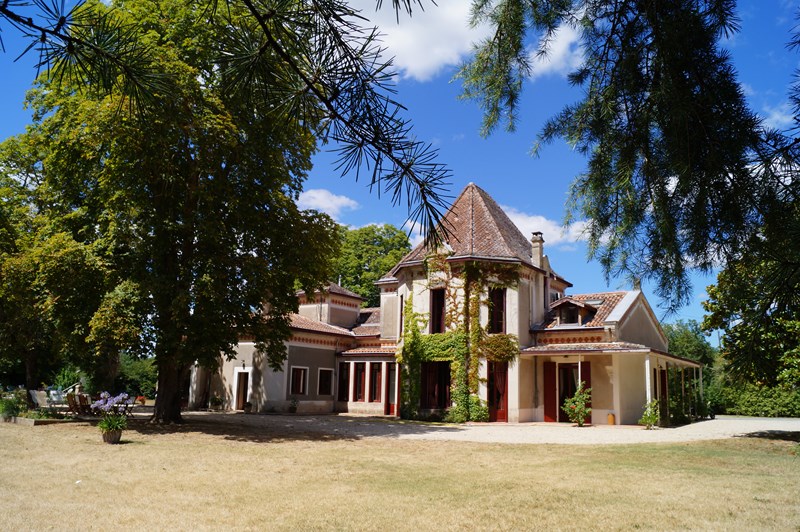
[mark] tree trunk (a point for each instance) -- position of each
(168, 398)
(31, 370)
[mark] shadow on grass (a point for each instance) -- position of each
(266, 428)
(782, 435)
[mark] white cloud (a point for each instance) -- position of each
(326, 201)
(564, 54)
(554, 233)
(414, 232)
(428, 41)
(780, 117)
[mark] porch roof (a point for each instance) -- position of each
(375, 351)
(602, 348)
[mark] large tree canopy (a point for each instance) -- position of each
(367, 254)
(310, 62)
(192, 216)
(680, 174)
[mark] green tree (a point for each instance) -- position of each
(760, 323)
(687, 340)
(367, 254)
(191, 215)
(680, 172)
(308, 62)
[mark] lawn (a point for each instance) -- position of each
(202, 476)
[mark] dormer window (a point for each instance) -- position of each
(570, 312)
(568, 315)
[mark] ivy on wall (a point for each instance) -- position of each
(464, 344)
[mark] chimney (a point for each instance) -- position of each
(537, 248)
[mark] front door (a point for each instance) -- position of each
(498, 391)
(241, 389)
(391, 388)
(568, 385)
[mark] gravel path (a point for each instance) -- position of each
(356, 427)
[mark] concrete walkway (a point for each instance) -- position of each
(357, 427)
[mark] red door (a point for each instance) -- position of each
(390, 402)
(550, 393)
(498, 391)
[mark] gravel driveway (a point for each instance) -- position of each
(357, 427)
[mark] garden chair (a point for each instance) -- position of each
(39, 398)
(73, 405)
(85, 405)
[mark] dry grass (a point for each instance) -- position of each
(208, 476)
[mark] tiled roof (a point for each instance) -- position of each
(369, 322)
(477, 228)
(306, 324)
(370, 351)
(334, 288)
(609, 301)
(596, 346)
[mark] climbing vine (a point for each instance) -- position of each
(464, 343)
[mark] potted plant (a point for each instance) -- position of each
(114, 419)
(215, 403)
(293, 406)
(247, 407)
(8, 409)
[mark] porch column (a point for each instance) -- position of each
(647, 385)
(352, 384)
(367, 380)
(384, 385)
(702, 397)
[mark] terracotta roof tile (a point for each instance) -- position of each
(370, 351)
(598, 346)
(369, 322)
(609, 301)
(306, 324)
(477, 227)
(334, 288)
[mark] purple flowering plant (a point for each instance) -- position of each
(112, 409)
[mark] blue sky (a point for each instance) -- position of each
(427, 49)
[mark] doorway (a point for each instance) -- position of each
(390, 400)
(498, 391)
(242, 382)
(568, 385)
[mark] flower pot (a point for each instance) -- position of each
(112, 436)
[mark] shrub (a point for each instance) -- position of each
(651, 415)
(765, 401)
(577, 407)
(8, 408)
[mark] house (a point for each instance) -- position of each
(342, 358)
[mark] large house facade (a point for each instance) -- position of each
(342, 358)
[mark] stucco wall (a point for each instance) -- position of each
(343, 316)
(526, 389)
(390, 309)
(313, 359)
(640, 327)
(631, 380)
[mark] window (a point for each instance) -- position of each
(344, 382)
(361, 373)
(299, 377)
(325, 382)
(497, 310)
(375, 382)
(437, 310)
(569, 314)
(435, 385)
